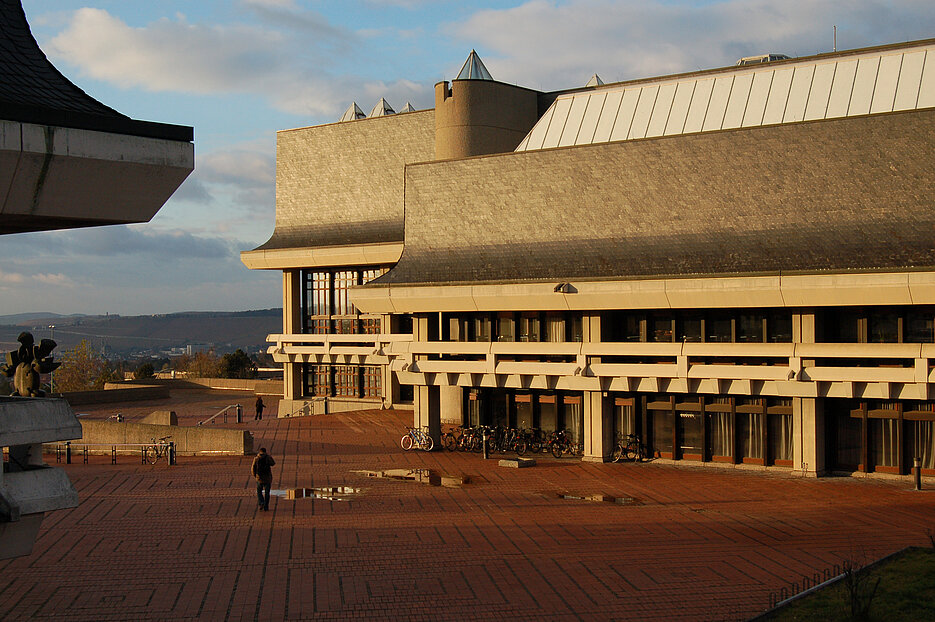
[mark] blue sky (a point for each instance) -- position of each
(239, 70)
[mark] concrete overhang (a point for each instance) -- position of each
(793, 290)
(55, 177)
(322, 256)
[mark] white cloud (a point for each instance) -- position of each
(551, 45)
(284, 57)
(10, 279)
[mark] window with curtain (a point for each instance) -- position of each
(884, 441)
(720, 438)
(750, 435)
(923, 442)
(780, 437)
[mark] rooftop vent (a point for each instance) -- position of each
(473, 69)
(761, 58)
(594, 81)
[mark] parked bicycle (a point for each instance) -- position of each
(560, 444)
(417, 437)
(629, 448)
(158, 450)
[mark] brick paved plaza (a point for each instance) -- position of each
(187, 542)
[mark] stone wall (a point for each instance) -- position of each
(342, 184)
(824, 195)
(189, 441)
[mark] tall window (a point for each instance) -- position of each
(327, 309)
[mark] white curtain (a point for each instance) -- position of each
(923, 445)
(753, 439)
(785, 438)
(720, 434)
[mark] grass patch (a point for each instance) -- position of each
(906, 591)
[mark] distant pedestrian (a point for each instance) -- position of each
(263, 472)
(259, 408)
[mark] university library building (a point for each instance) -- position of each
(736, 264)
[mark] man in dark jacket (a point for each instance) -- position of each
(263, 472)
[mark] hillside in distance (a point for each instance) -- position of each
(148, 334)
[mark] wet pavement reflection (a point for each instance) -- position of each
(602, 498)
(422, 476)
(329, 493)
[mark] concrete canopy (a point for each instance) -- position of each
(66, 160)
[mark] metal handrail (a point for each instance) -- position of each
(224, 411)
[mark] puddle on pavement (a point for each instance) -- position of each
(329, 493)
(422, 476)
(601, 498)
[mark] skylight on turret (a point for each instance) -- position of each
(353, 113)
(473, 69)
(381, 109)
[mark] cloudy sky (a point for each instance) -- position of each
(239, 70)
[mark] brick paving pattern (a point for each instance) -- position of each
(187, 542)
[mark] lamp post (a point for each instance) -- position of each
(52, 373)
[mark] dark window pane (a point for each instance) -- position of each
(841, 326)
(883, 327)
(690, 328)
(750, 327)
(918, 327)
(779, 327)
(660, 328)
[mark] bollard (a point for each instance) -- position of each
(917, 472)
(483, 438)
(239, 413)
(68, 452)
(171, 453)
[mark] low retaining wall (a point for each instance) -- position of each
(262, 387)
(111, 396)
(189, 441)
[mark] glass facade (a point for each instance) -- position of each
(327, 309)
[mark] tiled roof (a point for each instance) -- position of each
(32, 90)
(833, 195)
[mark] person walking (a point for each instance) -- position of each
(259, 408)
(263, 472)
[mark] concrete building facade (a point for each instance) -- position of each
(734, 264)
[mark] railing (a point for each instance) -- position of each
(718, 367)
(64, 451)
(224, 412)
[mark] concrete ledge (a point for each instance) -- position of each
(28, 420)
(517, 463)
(40, 490)
(189, 441)
(122, 394)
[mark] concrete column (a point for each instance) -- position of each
(452, 405)
(291, 324)
(389, 386)
(427, 411)
(808, 443)
(598, 426)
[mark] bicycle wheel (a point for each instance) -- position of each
(556, 449)
(427, 443)
(619, 452)
(406, 442)
(152, 454)
(520, 447)
(448, 441)
(632, 451)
